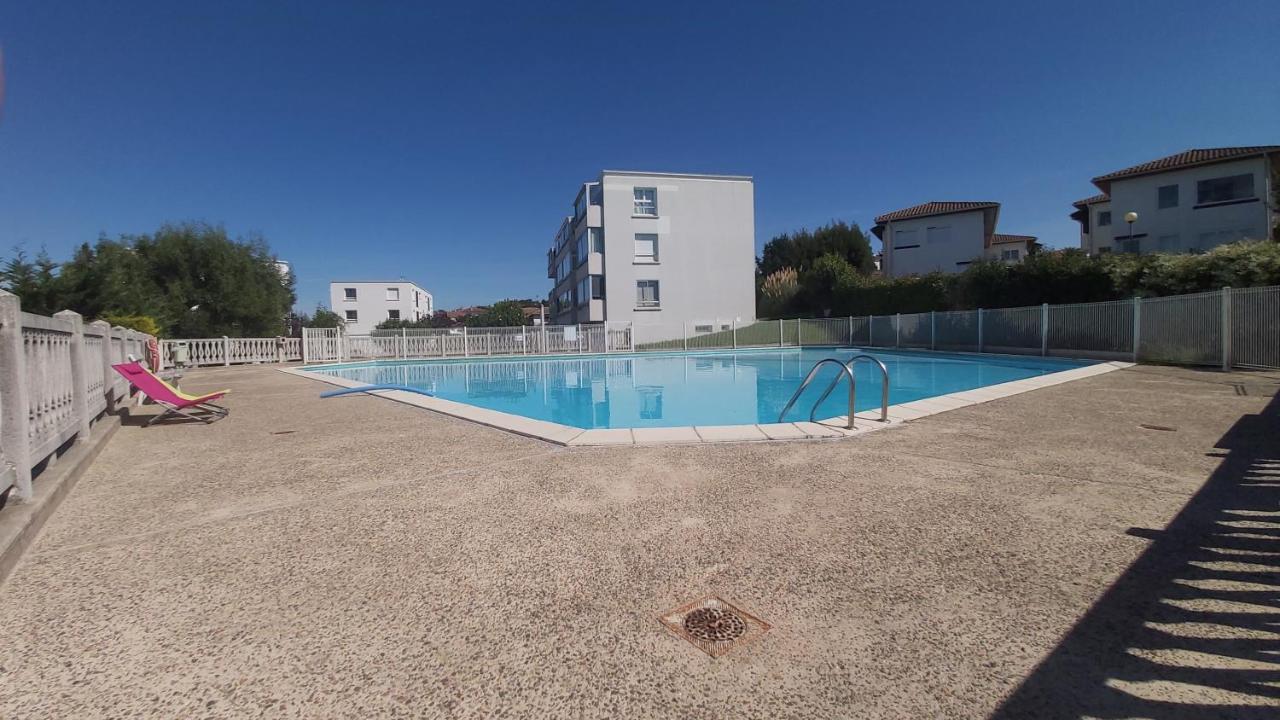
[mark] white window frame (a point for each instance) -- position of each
(349, 294)
(353, 316)
(1177, 197)
(652, 258)
(393, 291)
(1012, 254)
(936, 234)
(393, 314)
(645, 202)
(1098, 220)
(656, 302)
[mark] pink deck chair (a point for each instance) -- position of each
(172, 399)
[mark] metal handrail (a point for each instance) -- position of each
(853, 388)
(884, 392)
(809, 378)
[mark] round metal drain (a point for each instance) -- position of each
(714, 624)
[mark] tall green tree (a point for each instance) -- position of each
(507, 313)
(36, 282)
(191, 277)
(801, 250)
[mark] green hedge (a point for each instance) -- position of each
(1065, 276)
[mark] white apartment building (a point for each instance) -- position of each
(945, 237)
(1188, 202)
(364, 304)
(656, 248)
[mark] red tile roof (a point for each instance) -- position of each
(1196, 156)
(1100, 197)
(934, 208)
(999, 239)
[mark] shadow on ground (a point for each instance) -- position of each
(1192, 628)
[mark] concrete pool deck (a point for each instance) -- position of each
(832, 428)
(1039, 555)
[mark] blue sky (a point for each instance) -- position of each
(384, 139)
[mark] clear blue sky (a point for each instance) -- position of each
(384, 139)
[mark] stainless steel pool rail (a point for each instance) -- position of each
(847, 371)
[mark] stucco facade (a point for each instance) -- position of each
(364, 304)
(1182, 209)
(656, 249)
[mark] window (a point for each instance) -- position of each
(349, 294)
(646, 202)
(1104, 218)
(1009, 254)
(393, 294)
(590, 288)
(939, 234)
(903, 239)
(393, 314)
(596, 240)
(646, 248)
(1167, 196)
(1168, 243)
(582, 246)
(1236, 187)
(647, 295)
(416, 296)
(351, 316)
(1129, 246)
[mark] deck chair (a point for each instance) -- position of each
(174, 401)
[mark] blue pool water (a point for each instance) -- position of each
(678, 389)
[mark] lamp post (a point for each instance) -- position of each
(1130, 217)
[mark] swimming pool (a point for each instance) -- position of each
(664, 390)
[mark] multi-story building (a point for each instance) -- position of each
(656, 248)
(364, 304)
(1188, 202)
(945, 237)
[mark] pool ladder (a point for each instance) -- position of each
(846, 370)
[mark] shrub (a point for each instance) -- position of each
(141, 323)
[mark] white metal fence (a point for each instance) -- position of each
(1227, 328)
(55, 380)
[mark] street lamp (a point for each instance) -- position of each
(1130, 217)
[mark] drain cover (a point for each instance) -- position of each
(713, 625)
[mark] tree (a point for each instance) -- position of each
(191, 278)
(323, 318)
(35, 282)
(823, 283)
(507, 313)
(802, 249)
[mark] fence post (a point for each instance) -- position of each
(779, 332)
(404, 343)
(684, 333)
(1137, 325)
(1044, 329)
(933, 329)
(579, 338)
(466, 351)
(850, 329)
(1226, 329)
(104, 359)
(524, 339)
(979, 329)
(303, 346)
(799, 339)
(13, 394)
(735, 333)
(897, 330)
(871, 338)
(79, 380)
(226, 350)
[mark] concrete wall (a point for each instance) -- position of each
(964, 244)
(371, 304)
(1183, 226)
(706, 249)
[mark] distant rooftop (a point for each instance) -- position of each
(935, 208)
(1187, 158)
(695, 176)
(1000, 239)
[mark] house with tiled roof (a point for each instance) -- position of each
(946, 237)
(1187, 202)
